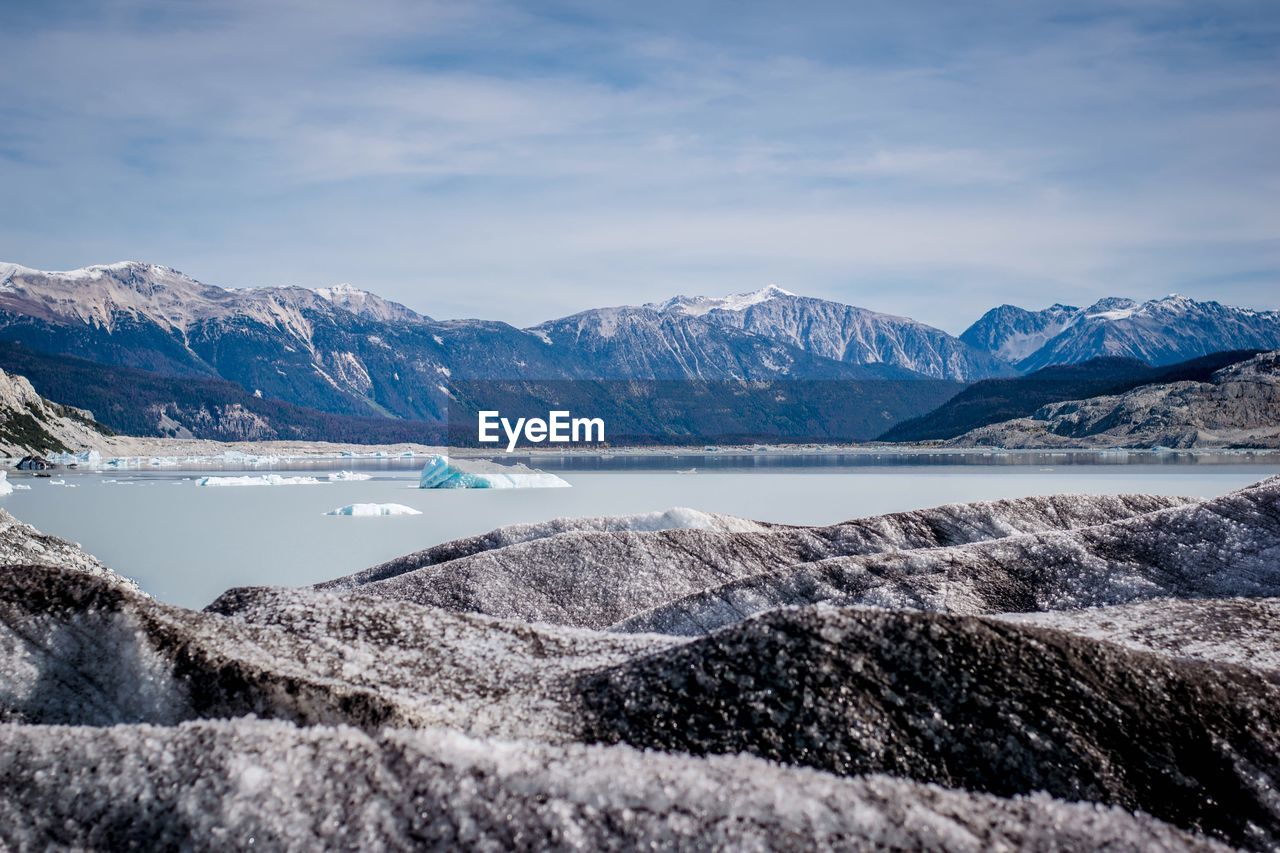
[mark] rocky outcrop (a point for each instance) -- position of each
(30, 424)
(1238, 407)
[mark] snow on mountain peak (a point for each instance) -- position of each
(696, 306)
(341, 292)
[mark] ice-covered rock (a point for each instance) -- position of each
(370, 509)
(263, 480)
(441, 473)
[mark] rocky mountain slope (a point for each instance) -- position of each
(842, 332)
(1239, 406)
(1011, 333)
(992, 401)
(137, 402)
(31, 424)
(352, 716)
(1160, 331)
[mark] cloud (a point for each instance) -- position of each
(493, 159)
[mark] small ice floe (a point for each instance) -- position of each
(440, 473)
(349, 475)
(20, 487)
(368, 510)
(687, 471)
(263, 480)
(6, 488)
(57, 482)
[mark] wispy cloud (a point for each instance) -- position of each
(500, 159)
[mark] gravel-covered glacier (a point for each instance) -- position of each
(1223, 547)
(433, 701)
(593, 577)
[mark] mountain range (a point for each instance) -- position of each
(345, 351)
(1160, 331)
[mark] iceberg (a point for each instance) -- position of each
(90, 458)
(367, 510)
(440, 473)
(348, 475)
(264, 480)
(6, 488)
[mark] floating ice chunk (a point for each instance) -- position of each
(88, 458)
(349, 475)
(440, 473)
(57, 482)
(21, 487)
(264, 480)
(6, 488)
(374, 509)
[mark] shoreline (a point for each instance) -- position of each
(130, 451)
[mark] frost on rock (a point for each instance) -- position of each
(261, 480)
(441, 473)
(374, 510)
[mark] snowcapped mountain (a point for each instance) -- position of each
(669, 343)
(841, 332)
(1012, 333)
(362, 303)
(1160, 331)
(340, 350)
(347, 351)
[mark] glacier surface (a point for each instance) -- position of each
(1062, 672)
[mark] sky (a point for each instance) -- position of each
(523, 161)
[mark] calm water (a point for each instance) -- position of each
(186, 544)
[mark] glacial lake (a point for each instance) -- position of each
(185, 543)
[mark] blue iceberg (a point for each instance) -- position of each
(440, 473)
